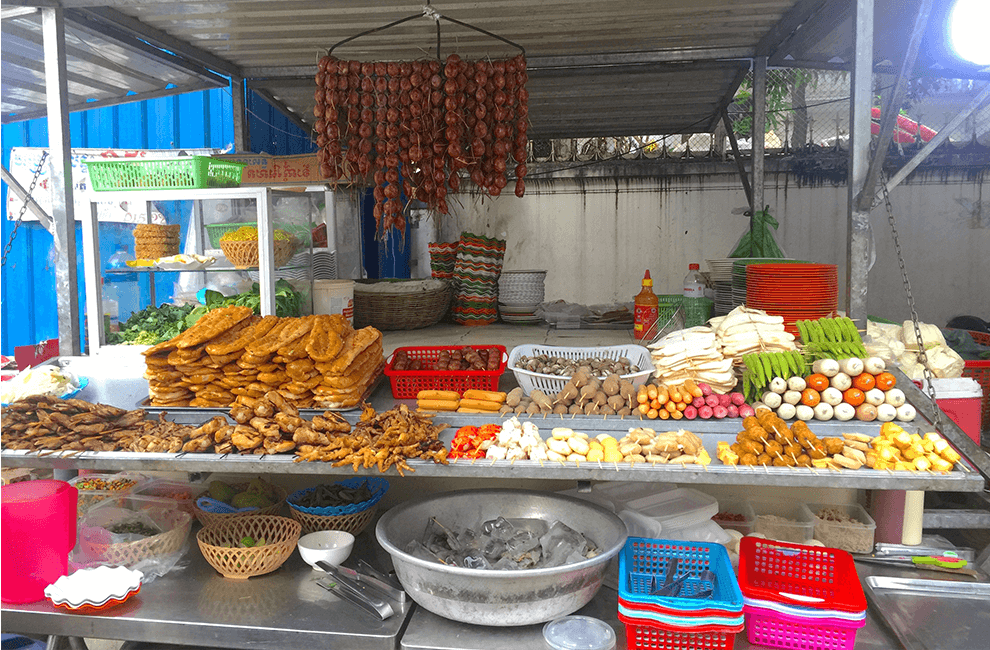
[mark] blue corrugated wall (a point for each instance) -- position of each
(192, 120)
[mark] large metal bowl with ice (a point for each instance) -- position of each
(500, 557)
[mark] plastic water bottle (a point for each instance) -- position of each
(695, 303)
(126, 284)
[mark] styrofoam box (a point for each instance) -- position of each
(800, 530)
(678, 508)
(846, 536)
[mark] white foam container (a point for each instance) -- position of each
(334, 297)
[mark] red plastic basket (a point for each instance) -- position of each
(651, 635)
(406, 384)
(980, 371)
(815, 577)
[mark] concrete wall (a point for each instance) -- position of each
(596, 234)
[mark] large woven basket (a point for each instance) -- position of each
(521, 287)
(210, 519)
(399, 310)
(353, 523)
(244, 254)
(176, 524)
(279, 533)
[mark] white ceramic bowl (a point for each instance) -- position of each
(331, 546)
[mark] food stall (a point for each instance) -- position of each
(286, 606)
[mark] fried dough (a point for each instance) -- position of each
(354, 345)
(212, 324)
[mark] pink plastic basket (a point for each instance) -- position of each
(777, 630)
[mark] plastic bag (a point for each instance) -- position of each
(758, 239)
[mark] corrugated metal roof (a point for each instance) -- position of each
(596, 68)
(101, 70)
(588, 60)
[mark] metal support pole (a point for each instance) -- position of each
(266, 251)
(759, 129)
(93, 274)
(60, 149)
(241, 140)
(891, 104)
(858, 221)
(740, 165)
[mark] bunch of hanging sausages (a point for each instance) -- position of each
(416, 126)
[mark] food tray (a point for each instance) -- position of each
(813, 577)
(941, 604)
(846, 536)
(551, 384)
(406, 384)
(643, 559)
(192, 172)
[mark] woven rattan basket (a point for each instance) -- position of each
(352, 523)
(244, 254)
(279, 533)
(210, 519)
(176, 524)
(400, 310)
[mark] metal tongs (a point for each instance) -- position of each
(354, 592)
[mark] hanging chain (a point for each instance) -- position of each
(24, 207)
(930, 384)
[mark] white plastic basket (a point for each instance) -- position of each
(550, 384)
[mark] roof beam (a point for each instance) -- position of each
(111, 101)
(160, 39)
(806, 23)
(284, 110)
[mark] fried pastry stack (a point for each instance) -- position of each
(230, 356)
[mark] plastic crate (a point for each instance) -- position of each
(218, 230)
(777, 630)
(643, 559)
(645, 634)
(812, 577)
(406, 384)
(551, 384)
(185, 173)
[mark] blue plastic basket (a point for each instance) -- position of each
(642, 559)
(378, 487)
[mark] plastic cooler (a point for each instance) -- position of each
(810, 596)
(678, 622)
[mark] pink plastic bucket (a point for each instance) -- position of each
(38, 528)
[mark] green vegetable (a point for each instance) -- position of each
(152, 325)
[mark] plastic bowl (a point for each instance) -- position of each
(331, 546)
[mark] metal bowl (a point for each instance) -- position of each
(499, 598)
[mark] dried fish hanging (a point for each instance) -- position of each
(414, 127)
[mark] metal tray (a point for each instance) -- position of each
(933, 614)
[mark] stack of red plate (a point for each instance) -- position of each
(794, 291)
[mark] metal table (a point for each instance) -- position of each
(427, 631)
(196, 606)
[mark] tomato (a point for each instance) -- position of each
(817, 381)
(886, 381)
(864, 381)
(854, 396)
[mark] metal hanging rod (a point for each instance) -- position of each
(428, 12)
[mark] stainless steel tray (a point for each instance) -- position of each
(933, 614)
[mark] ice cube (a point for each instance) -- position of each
(562, 544)
(493, 549)
(475, 562)
(499, 528)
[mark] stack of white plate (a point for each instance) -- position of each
(522, 313)
(720, 270)
(323, 266)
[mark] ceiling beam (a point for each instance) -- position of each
(788, 25)
(8, 118)
(292, 116)
(826, 17)
(160, 39)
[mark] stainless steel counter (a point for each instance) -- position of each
(196, 606)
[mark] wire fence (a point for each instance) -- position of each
(806, 110)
